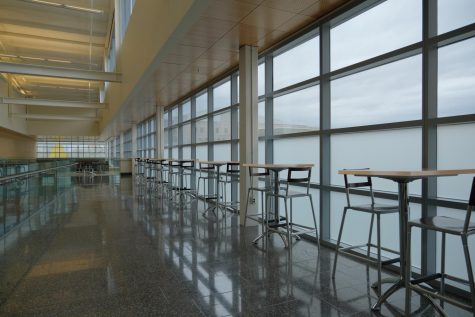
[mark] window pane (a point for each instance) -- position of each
(307, 149)
(383, 150)
(297, 111)
(175, 115)
(186, 112)
(202, 152)
(186, 152)
(455, 149)
(202, 104)
(165, 119)
(261, 79)
(222, 96)
(222, 152)
(261, 118)
(187, 133)
(453, 14)
(390, 25)
(304, 58)
(165, 137)
(456, 93)
(222, 126)
(202, 130)
(175, 152)
(388, 93)
(175, 136)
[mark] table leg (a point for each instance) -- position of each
(403, 218)
(276, 198)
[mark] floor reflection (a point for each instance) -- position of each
(120, 250)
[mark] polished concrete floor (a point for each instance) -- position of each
(105, 249)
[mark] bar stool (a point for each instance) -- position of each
(446, 225)
(230, 177)
(373, 209)
(295, 176)
(256, 172)
(187, 171)
(174, 168)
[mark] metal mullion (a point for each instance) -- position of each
(325, 124)
(170, 134)
(180, 132)
(380, 60)
(269, 109)
(429, 133)
(454, 36)
(234, 130)
(211, 184)
(314, 81)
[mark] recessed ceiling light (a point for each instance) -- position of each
(32, 58)
(58, 61)
(8, 55)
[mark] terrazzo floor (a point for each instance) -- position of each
(106, 248)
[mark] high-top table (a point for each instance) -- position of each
(402, 178)
(275, 168)
(218, 165)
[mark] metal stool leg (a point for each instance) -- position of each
(378, 229)
(339, 241)
(370, 236)
(442, 268)
(408, 271)
(469, 270)
(247, 205)
(314, 221)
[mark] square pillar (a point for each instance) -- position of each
(159, 132)
(248, 136)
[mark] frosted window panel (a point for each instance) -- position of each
(175, 115)
(222, 96)
(187, 133)
(454, 256)
(299, 150)
(261, 149)
(261, 109)
(455, 150)
(456, 93)
(201, 106)
(381, 150)
(453, 14)
(304, 58)
(261, 79)
(297, 111)
(165, 137)
(222, 152)
(165, 119)
(356, 229)
(202, 152)
(388, 93)
(222, 126)
(202, 130)
(186, 152)
(175, 136)
(175, 152)
(367, 34)
(186, 111)
(302, 211)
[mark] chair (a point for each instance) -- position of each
(231, 176)
(375, 210)
(295, 176)
(446, 225)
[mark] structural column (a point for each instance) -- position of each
(121, 142)
(134, 140)
(247, 122)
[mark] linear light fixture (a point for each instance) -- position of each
(36, 58)
(52, 117)
(66, 6)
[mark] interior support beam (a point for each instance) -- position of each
(47, 71)
(51, 103)
(50, 117)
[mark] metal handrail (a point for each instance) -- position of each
(9, 178)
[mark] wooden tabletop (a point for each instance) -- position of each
(407, 173)
(218, 162)
(276, 166)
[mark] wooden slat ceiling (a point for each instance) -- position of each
(211, 46)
